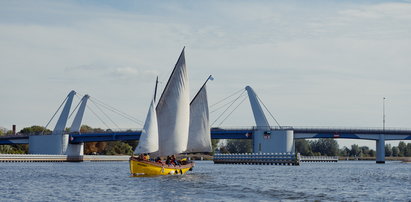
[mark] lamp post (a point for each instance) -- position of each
(381, 139)
(383, 113)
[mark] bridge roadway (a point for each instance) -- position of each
(237, 133)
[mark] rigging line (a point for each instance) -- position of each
(42, 132)
(98, 117)
(227, 97)
(268, 111)
(232, 111)
(123, 114)
(228, 107)
(105, 114)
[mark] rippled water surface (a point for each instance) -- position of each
(110, 181)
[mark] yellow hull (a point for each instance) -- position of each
(149, 168)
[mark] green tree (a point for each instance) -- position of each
(118, 147)
(303, 147)
(371, 153)
(3, 131)
(364, 151)
(395, 151)
(37, 130)
(345, 151)
(355, 150)
(328, 147)
(6, 149)
(239, 146)
(402, 147)
(388, 150)
(408, 150)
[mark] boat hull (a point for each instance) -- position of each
(149, 168)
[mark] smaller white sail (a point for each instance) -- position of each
(199, 139)
(148, 142)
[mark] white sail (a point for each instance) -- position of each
(199, 139)
(148, 142)
(173, 111)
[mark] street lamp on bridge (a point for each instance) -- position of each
(383, 113)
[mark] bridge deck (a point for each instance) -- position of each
(236, 133)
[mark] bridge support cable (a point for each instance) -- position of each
(232, 111)
(62, 121)
(268, 111)
(98, 117)
(58, 109)
(108, 117)
(222, 100)
(114, 110)
(231, 104)
(227, 103)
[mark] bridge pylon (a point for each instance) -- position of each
(58, 142)
(380, 146)
(266, 140)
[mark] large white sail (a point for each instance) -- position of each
(173, 111)
(148, 142)
(199, 139)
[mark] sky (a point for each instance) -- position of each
(313, 63)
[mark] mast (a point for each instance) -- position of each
(209, 78)
(155, 89)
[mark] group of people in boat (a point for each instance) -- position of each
(170, 160)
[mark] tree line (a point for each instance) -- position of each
(320, 147)
(103, 148)
(323, 147)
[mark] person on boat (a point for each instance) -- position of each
(174, 160)
(146, 157)
(141, 157)
(158, 160)
(168, 161)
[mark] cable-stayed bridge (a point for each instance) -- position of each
(266, 138)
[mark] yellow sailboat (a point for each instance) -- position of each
(175, 126)
(150, 168)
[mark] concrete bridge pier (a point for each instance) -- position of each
(380, 145)
(54, 144)
(266, 140)
(273, 141)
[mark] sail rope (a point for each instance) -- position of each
(42, 132)
(228, 108)
(232, 111)
(268, 111)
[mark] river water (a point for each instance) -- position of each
(111, 181)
